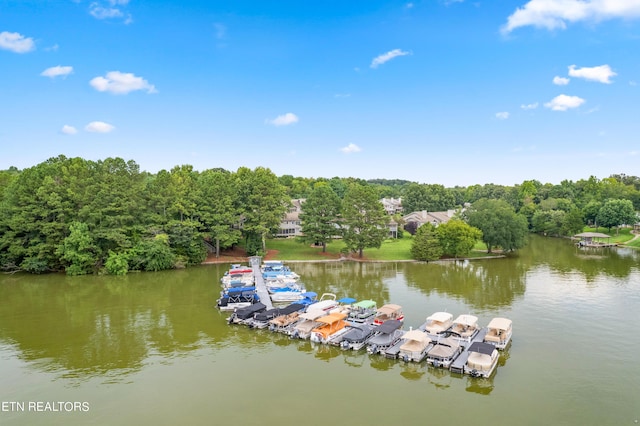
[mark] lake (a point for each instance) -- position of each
(151, 348)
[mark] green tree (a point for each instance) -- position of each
(426, 244)
(457, 238)
(364, 219)
(548, 222)
(262, 202)
(573, 222)
(78, 250)
(320, 214)
(218, 210)
(117, 263)
(499, 223)
(616, 213)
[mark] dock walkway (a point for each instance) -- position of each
(261, 287)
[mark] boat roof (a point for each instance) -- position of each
(239, 289)
(247, 311)
(416, 335)
(289, 309)
(346, 300)
(500, 323)
(389, 308)
(331, 318)
(482, 347)
(440, 317)
(389, 326)
(466, 320)
(240, 271)
(365, 304)
(312, 315)
(272, 262)
(321, 305)
(309, 294)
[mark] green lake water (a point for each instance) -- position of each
(151, 348)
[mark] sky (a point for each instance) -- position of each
(451, 92)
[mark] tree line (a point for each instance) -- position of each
(86, 216)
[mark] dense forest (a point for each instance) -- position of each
(86, 216)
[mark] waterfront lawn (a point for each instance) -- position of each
(293, 249)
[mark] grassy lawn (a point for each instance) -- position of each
(392, 249)
(292, 249)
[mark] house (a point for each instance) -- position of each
(290, 223)
(392, 205)
(415, 220)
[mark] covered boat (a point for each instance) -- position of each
(499, 332)
(245, 314)
(363, 311)
(237, 297)
(307, 321)
(415, 346)
(437, 323)
(326, 303)
(291, 293)
(331, 326)
(464, 328)
(387, 312)
(357, 336)
(443, 352)
(385, 336)
(261, 319)
(482, 360)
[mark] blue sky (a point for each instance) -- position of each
(450, 92)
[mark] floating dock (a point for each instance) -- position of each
(261, 287)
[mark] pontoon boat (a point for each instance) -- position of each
(482, 360)
(499, 332)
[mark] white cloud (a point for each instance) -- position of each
(600, 73)
(283, 120)
(529, 106)
(409, 5)
(502, 115)
(100, 12)
(385, 57)
(555, 14)
(53, 48)
(351, 148)
(99, 127)
(633, 83)
(221, 30)
(561, 81)
(121, 83)
(111, 11)
(564, 102)
(57, 71)
(68, 130)
(16, 42)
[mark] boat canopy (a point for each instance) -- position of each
(389, 326)
(416, 335)
(481, 347)
(331, 318)
(239, 289)
(240, 271)
(249, 311)
(312, 315)
(389, 308)
(468, 320)
(500, 324)
(346, 300)
(365, 304)
(440, 317)
(444, 348)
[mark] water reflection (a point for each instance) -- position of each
(480, 385)
(84, 327)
